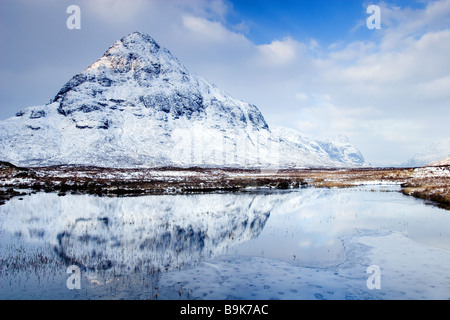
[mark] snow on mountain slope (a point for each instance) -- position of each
(437, 151)
(445, 162)
(336, 149)
(139, 106)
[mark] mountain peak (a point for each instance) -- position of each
(137, 36)
(136, 42)
(136, 62)
(133, 52)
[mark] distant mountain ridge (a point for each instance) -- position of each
(138, 106)
(436, 151)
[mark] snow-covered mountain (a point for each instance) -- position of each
(437, 151)
(139, 106)
(337, 151)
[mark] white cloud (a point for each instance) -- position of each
(280, 51)
(208, 9)
(209, 31)
(405, 25)
(115, 11)
(403, 76)
(302, 97)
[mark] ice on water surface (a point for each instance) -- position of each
(304, 244)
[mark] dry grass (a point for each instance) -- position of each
(435, 190)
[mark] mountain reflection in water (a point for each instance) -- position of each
(145, 232)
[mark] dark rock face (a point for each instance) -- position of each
(71, 85)
(36, 114)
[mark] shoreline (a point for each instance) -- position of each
(431, 184)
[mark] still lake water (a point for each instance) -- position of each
(304, 244)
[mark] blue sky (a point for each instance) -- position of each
(326, 21)
(310, 65)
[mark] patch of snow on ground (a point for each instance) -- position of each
(432, 172)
